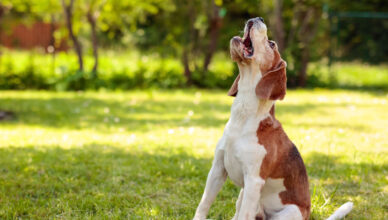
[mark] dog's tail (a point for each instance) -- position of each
(342, 211)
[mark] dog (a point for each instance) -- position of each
(254, 151)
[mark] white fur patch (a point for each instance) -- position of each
(290, 212)
(270, 195)
(242, 148)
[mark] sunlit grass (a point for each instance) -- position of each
(359, 75)
(354, 75)
(146, 154)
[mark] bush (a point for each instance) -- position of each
(22, 70)
(18, 70)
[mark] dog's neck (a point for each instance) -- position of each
(246, 98)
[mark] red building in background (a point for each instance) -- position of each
(37, 35)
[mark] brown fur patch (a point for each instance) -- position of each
(284, 161)
(233, 90)
(273, 85)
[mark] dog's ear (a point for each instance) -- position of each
(234, 89)
(273, 84)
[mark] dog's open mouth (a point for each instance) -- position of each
(248, 47)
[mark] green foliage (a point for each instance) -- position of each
(349, 75)
(122, 71)
(43, 72)
(358, 44)
(32, 10)
(119, 21)
(360, 38)
(146, 154)
(174, 28)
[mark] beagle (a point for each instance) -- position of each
(254, 151)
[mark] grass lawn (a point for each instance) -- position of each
(146, 154)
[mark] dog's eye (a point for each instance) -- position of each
(271, 44)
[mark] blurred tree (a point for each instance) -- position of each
(303, 35)
(198, 37)
(361, 35)
(92, 14)
(215, 17)
(120, 20)
(193, 31)
(2, 11)
(29, 11)
(116, 18)
(279, 32)
(68, 12)
(295, 24)
(172, 32)
(189, 30)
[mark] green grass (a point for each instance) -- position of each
(353, 75)
(146, 154)
(362, 75)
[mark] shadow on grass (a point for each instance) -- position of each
(104, 115)
(110, 182)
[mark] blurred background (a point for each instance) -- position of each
(111, 109)
(94, 44)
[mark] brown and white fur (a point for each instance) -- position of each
(254, 151)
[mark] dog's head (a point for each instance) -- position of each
(255, 52)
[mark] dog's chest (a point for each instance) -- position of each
(242, 151)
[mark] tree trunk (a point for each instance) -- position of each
(52, 30)
(302, 76)
(2, 10)
(189, 44)
(185, 60)
(1, 15)
(68, 11)
(279, 26)
(92, 22)
(51, 48)
(308, 28)
(215, 24)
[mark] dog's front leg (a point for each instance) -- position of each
(251, 197)
(214, 182)
(238, 204)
